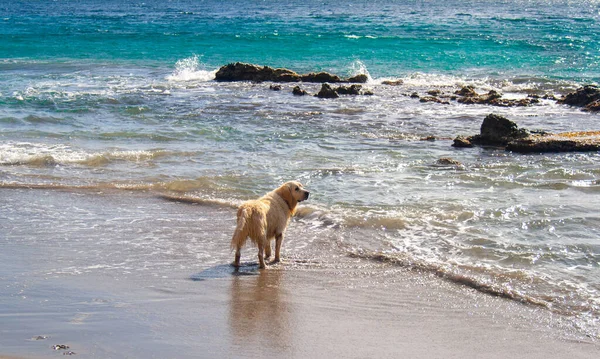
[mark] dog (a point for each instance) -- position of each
(266, 218)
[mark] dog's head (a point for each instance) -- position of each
(292, 192)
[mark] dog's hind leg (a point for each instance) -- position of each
(261, 252)
(278, 241)
(268, 249)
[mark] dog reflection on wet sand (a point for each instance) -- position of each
(259, 311)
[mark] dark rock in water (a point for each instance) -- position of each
(497, 131)
(275, 87)
(414, 95)
(561, 142)
(433, 99)
(327, 92)
(467, 91)
(361, 79)
(583, 97)
(446, 161)
(321, 77)
(247, 72)
(593, 107)
(494, 98)
(434, 92)
(393, 83)
(462, 142)
(349, 90)
(297, 91)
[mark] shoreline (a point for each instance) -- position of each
(308, 306)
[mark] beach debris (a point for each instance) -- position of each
(240, 71)
(498, 131)
(69, 353)
(40, 337)
(60, 347)
(587, 97)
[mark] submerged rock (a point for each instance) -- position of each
(560, 142)
(447, 161)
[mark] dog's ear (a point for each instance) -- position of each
(285, 192)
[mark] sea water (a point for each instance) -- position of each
(113, 95)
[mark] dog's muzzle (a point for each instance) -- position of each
(306, 196)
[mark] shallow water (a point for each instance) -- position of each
(103, 96)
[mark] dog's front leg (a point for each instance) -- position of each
(278, 241)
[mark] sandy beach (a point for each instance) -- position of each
(177, 306)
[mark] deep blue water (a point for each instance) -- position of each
(554, 39)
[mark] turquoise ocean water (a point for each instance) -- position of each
(120, 95)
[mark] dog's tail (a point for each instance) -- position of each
(241, 230)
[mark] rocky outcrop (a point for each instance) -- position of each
(500, 132)
(248, 72)
(329, 92)
(497, 131)
(587, 97)
(494, 98)
(560, 142)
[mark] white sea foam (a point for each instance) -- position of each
(190, 69)
(39, 154)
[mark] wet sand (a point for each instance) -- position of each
(298, 309)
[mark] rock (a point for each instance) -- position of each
(497, 131)
(434, 92)
(297, 91)
(321, 77)
(247, 72)
(327, 92)
(275, 87)
(446, 161)
(467, 91)
(583, 97)
(494, 98)
(593, 107)
(393, 83)
(414, 95)
(462, 142)
(349, 90)
(561, 142)
(361, 79)
(433, 99)
(60, 347)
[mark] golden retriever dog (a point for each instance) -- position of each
(266, 218)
